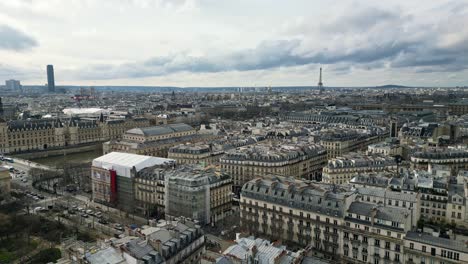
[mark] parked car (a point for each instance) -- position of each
(84, 215)
(103, 221)
(119, 227)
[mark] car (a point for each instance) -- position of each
(24, 180)
(119, 227)
(40, 196)
(80, 209)
(103, 221)
(84, 215)
(98, 214)
(90, 212)
(36, 198)
(40, 209)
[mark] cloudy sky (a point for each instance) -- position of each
(235, 43)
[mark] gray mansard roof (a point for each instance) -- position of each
(388, 194)
(441, 154)
(318, 198)
(437, 241)
(279, 153)
(160, 130)
(384, 213)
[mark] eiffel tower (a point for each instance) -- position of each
(320, 84)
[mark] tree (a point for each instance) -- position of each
(47, 255)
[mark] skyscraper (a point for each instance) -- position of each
(50, 78)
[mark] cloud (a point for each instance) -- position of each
(12, 39)
(13, 72)
(361, 38)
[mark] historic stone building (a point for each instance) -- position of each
(156, 140)
(337, 224)
(339, 142)
(195, 154)
(341, 170)
(298, 160)
(37, 135)
(455, 159)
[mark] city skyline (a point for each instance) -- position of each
(249, 43)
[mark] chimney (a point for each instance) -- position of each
(156, 244)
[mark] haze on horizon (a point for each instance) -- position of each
(235, 43)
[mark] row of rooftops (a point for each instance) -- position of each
(355, 160)
(321, 198)
(379, 212)
(160, 130)
(347, 135)
(275, 153)
(215, 147)
(39, 124)
(151, 245)
(441, 154)
(322, 118)
(410, 181)
(155, 143)
(195, 175)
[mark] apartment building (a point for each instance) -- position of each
(201, 153)
(339, 141)
(341, 170)
(202, 195)
(425, 248)
(455, 159)
(294, 211)
(284, 158)
(343, 225)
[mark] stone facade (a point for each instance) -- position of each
(37, 135)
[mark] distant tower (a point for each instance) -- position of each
(1, 108)
(50, 78)
(393, 128)
(320, 84)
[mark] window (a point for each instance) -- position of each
(423, 249)
(387, 255)
(377, 243)
(411, 245)
(397, 248)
